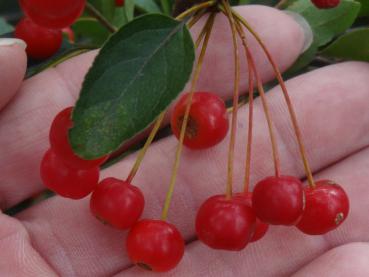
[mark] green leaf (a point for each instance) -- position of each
(129, 8)
(303, 60)
(5, 27)
(89, 31)
(364, 11)
(325, 24)
(147, 6)
(353, 45)
(137, 74)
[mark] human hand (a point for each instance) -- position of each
(60, 237)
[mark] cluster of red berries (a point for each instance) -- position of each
(152, 244)
(227, 222)
(231, 223)
(42, 27)
(221, 222)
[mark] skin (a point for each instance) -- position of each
(59, 237)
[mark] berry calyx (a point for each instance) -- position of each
(117, 203)
(65, 181)
(326, 4)
(42, 43)
(207, 123)
(119, 3)
(278, 200)
(226, 224)
(60, 143)
(155, 245)
(327, 207)
(260, 227)
(56, 14)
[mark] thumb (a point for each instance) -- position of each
(13, 64)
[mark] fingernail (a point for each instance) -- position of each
(305, 26)
(12, 41)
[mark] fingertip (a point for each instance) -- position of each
(13, 64)
(281, 33)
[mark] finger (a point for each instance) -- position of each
(335, 262)
(13, 62)
(204, 173)
(25, 123)
(19, 258)
(285, 250)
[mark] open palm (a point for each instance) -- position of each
(60, 237)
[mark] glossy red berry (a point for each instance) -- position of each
(119, 3)
(327, 207)
(60, 143)
(260, 227)
(155, 245)
(66, 181)
(207, 123)
(55, 14)
(278, 200)
(226, 224)
(117, 203)
(41, 42)
(326, 4)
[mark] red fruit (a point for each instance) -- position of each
(65, 181)
(327, 207)
(278, 200)
(325, 4)
(60, 143)
(207, 123)
(55, 14)
(260, 227)
(225, 224)
(117, 203)
(155, 245)
(119, 3)
(41, 42)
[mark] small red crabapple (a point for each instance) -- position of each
(41, 42)
(207, 123)
(65, 181)
(155, 245)
(278, 200)
(327, 207)
(226, 224)
(117, 203)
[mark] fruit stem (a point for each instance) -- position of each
(195, 9)
(196, 75)
(232, 143)
(144, 149)
(246, 187)
(197, 16)
(99, 17)
(286, 97)
(251, 64)
(203, 33)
